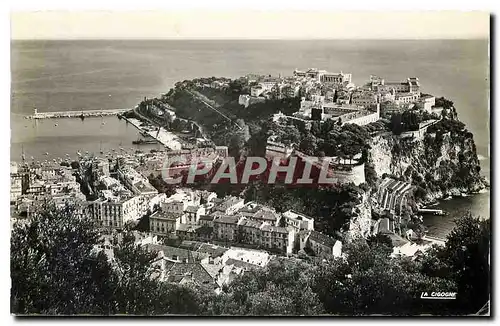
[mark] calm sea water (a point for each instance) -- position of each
(64, 75)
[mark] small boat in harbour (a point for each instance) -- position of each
(144, 141)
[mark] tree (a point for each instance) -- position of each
(468, 252)
(411, 119)
(309, 144)
(379, 239)
(51, 254)
(396, 124)
(369, 282)
(465, 261)
(55, 269)
(444, 114)
(315, 128)
(282, 288)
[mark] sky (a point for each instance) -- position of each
(248, 24)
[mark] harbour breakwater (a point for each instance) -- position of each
(75, 114)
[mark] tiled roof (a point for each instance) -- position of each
(228, 202)
(322, 238)
(239, 263)
(192, 209)
(188, 227)
(250, 208)
(250, 223)
(166, 216)
(297, 216)
(207, 217)
(228, 219)
(212, 250)
(212, 269)
(180, 253)
(143, 186)
(266, 214)
(195, 272)
(191, 245)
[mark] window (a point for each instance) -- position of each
(174, 257)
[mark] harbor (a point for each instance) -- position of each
(75, 114)
(161, 135)
(48, 139)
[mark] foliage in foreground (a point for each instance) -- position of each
(55, 271)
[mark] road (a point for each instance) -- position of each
(200, 128)
(211, 107)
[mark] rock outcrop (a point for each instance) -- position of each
(442, 163)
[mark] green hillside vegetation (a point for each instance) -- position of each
(55, 271)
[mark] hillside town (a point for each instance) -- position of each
(198, 236)
(218, 162)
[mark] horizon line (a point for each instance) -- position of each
(246, 39)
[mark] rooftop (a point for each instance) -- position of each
(189, 272)
(207, 217)
(165, 216)
(242, 264)
(256, 257)
(228, 219)
(187, 227)
(191, 245)
(274, 229)
(250, 207)
(228, 202)
(251, 224)
(322, 238)
(212, 250)
(192, 208)
(144, 187)
(266, 214)
(176, 253)
(297, 216)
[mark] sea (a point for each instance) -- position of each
(107, 74)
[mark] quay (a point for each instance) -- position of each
(164, 137)
(75, 114)
(434, 240)
(431, 211)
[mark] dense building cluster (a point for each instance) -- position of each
(37, 183)
(226, 236)
(222, 237)
(195, 215)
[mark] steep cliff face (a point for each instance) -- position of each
(361, 224)
(441, 163)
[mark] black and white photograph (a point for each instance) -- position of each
(240, 163)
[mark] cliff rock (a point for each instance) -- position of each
(442, 162)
